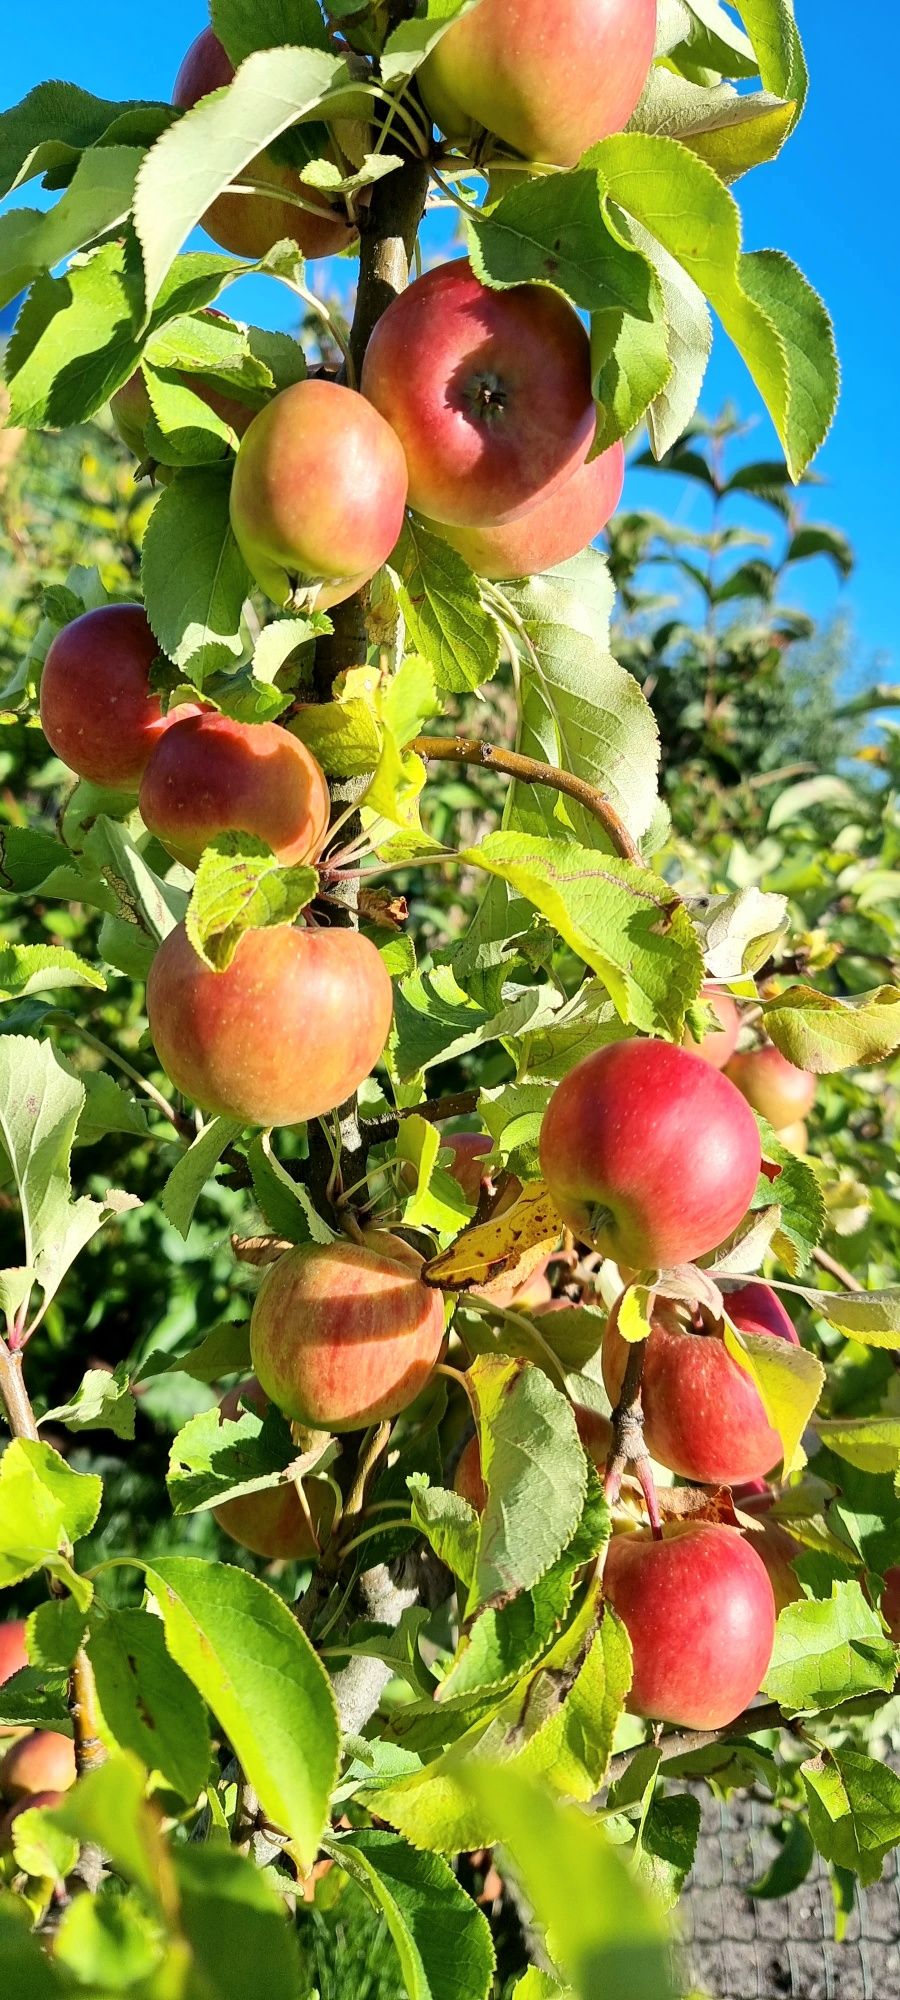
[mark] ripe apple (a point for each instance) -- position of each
(594, 1430)
(551, 532)
(718, 1045)
(342, 1336)
(249, 224)
(272, 1523)
(318, 493)
(548, 82)
(9, 1818)
(42, 1761)
(488, 392)
(700, 1614)
(210, 775)
(773, 1086)
(890, 1602)
(703, 1416)
(774, 1546)
(132, 411)
(468, 1149)
(286, 1033)
(97, 710)
(12, 1656)
(649, 1153)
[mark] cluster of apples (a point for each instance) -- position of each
(38, 1766)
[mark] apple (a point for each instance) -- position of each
(132, 412)
(33, 1799)
(489, 393)
(97, 709)
(468, 1150)
(272, 1523)
(13, 1656)
(210, 775)
(550, 82)
(718, 1045)
(594, 1430)
(773, 1086)
(700, 1613)
(703, 1415)
(249, 224)
(552, 531)
(318, 494)
(287, 1032)
(650, 1154)
(342, 1336)
(795, 1138)
(774, 1546)
(890, 1602)
(42, 1761)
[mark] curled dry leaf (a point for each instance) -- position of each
(510, 1246)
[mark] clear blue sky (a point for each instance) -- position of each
(827, 202)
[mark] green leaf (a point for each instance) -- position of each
(446, 620)
(442, 1940)
(56, 122)
(108, 1941)
(54, 1633)
(791, 1865)
(579, 708)
(269, 25)
(215, 1457)
(789, 1381)
(98, 197)
(285, 1203)
(224, 1350)
(626, 924)
(536, 1474)
(102, 1402)
(854, 1810)
(107, 1108)
(39, 968)
(25, 1970)
(240, 886)
(44, 1506)
(557, 231)
(570, 1730)
(448, 1523)
(188, 1179)
(36, 1699)
(872, 1318)
(233, 1916)
(408, 45)
(148, 1704)
(815, 1031)
(194, 577)
(740, 931)
(689, 334)
(435, 1019)
(830, 1651)
(42, 1847)
(142, 897)
(774, 318)
(344, 736)
(107, 1807)
(250, 1661)
(870, 1443)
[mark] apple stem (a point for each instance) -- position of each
(644, 1475)
(627, 1447)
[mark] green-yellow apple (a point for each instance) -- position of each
(776, 1088)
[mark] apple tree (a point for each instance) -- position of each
(515, 1460)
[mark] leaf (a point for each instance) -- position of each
(58, 121)
(854, 1810)
(441, 602)
(44, 1506)
(271, 23)
(108, 1938)
(240, 886)
(689, 337)
(828, 1652)
(789, 1381)
(627, 925)
(43, 1848)
(872, 1318)
(449, 1524)
(142, 897)
(571, 1747)
(535, 1471)
(108, 1808)
(731, 132)
(224, 1350)
(815, 1031)
(102, 1402)
(214, 1457)
(285, 1203)
(442, 1940)
(740, 931)
(791, 1865)
(870, 1443)
(24, 1968)
(633, 1322)
(107, 1109)
(54, 1633)
(194, 577)
(815, 539)
(233, 1916)
(188, 1179)
(210, 146)
(98, 197)
(579, 708)
(512, 1241)
(408, 45)
(36, 1699)
(556, 230)
(249, 1659)
(148, 1704)
(436, 1018)
(41, 968)
(344, 736)
(796, 800)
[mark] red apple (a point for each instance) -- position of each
(700, 1614)
(718, 1045)
(551, 532)
(469, 1149)
(550, 82)
(272, 1523)
(97, 710)
(249, 224)
(12, 1656)
(42, 1761)
(318, 493)
(773, 1086)
(342, 1337)
(703, 1416)
(890, 1602)
(209, 775)
(489, 393)
(594, 1430)
(649, 1153)
(286, 1033)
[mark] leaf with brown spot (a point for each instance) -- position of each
(509, 1246)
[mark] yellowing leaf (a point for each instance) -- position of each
(870, 1443)
(512, 1243)
(818, 1032)
(633, 1316)
(789, 1381)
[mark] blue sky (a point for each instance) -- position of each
(827, 202)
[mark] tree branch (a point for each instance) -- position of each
(687, 1742)
(457, 1105)
(628, 1447)
(528, 770)
(835, 1270)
